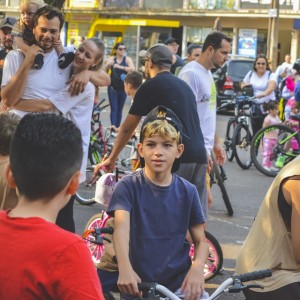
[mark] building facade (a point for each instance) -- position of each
(141, 23)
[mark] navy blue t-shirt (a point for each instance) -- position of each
(174, 93)
(159, 220)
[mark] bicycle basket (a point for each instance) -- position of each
(104, 188)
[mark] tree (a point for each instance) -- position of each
(56, 3)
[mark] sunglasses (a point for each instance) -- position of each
(259, 63)
(121, 49)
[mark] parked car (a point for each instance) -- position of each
(229, 77)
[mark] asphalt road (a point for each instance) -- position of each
(246, 189)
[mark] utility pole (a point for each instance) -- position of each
(272, 42)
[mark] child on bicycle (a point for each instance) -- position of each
(270, 138)
(45, 159)
(24, 36)
(153, 209)
(8, 125)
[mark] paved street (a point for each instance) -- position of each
(246, 189)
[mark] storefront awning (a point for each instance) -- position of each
(121, 24)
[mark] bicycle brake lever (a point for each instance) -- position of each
(236, 288)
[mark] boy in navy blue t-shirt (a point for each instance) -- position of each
(153, 210)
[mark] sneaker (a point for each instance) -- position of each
(267, 168)
(65, 59)
(38, 62)
(280, 161)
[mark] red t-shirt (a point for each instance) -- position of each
(39, 260)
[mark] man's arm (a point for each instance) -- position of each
(219, 151)
(124, 134)
(291, 192)
(193, 284)
(128, 279)
(14, 89)
(34, 105)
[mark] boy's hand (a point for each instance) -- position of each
(193, 284)
(128, 283)
(78, 82)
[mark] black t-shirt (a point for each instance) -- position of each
(168, 90)
(179, 63)
(3, 54)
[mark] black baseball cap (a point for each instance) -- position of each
(159, 54)
(171, 118)
(171, 40)
(8, 22)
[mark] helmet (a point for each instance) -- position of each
(104, 188)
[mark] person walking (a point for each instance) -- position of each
(173, 46)
(118, 65)
(197, 74)
(163, 88)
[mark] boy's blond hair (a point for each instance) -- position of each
(38, 3)
(161, 127)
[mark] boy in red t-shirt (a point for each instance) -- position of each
(45, 159)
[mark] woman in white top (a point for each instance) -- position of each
(88, 56)
(264, 83)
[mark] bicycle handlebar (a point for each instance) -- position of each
(253, 275)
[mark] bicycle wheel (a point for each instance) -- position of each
(214, 261)
(86, 194)
(97, 251)
(283, 151)
(218, 170)
(231, 125)
(241, 145)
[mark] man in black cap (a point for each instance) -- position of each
(163, 88)
(7, 40)
(173, 46)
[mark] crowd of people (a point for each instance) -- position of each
(43, 157)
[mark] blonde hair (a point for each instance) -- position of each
(161, 127)
(38, 3)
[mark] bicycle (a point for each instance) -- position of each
(98, 139)
(93, 237)
(238, 134)
(153, 291)
(284, 151)
(218, 176)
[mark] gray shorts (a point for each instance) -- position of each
(196, 174)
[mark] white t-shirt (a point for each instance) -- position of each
(260, 84)
(40, 84)
(79, 110)
(50, 83)
(202, 83)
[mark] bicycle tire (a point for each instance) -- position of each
(85, 195)
(220, 182)
(96, 251)
(278, 149)
(231, 125)
(241, 145)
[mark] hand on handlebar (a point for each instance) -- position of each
(107, 165)
(128, 283)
